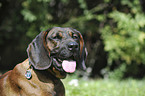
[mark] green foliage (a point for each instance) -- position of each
(126, 40)
(37, 13)
(28, 15)
(118, 73)
(124, 37)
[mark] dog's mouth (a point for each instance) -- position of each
(65, 65)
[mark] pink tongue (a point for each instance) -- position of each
(69, 66)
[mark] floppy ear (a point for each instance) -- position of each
(83, 52)
(37, 53)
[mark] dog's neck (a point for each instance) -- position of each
(51, 72)
(44, 75)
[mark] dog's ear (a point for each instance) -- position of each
(37, 53)
(83, 52)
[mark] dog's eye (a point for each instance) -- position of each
(75, 36)
(57, 37)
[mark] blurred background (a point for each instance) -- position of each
(113, 30)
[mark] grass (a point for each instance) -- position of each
(81, 87)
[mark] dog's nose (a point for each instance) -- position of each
(72, 46)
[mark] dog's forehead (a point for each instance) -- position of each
(56, 30)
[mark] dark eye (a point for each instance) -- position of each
(57, 37)
(75, 36)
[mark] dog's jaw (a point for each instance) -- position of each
(57, 73)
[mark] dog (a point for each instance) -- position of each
(51, 55)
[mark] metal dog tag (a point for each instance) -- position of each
(28, 74)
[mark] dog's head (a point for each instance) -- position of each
(60, 50)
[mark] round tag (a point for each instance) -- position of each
(28, 74)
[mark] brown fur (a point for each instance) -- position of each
(14, 83)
